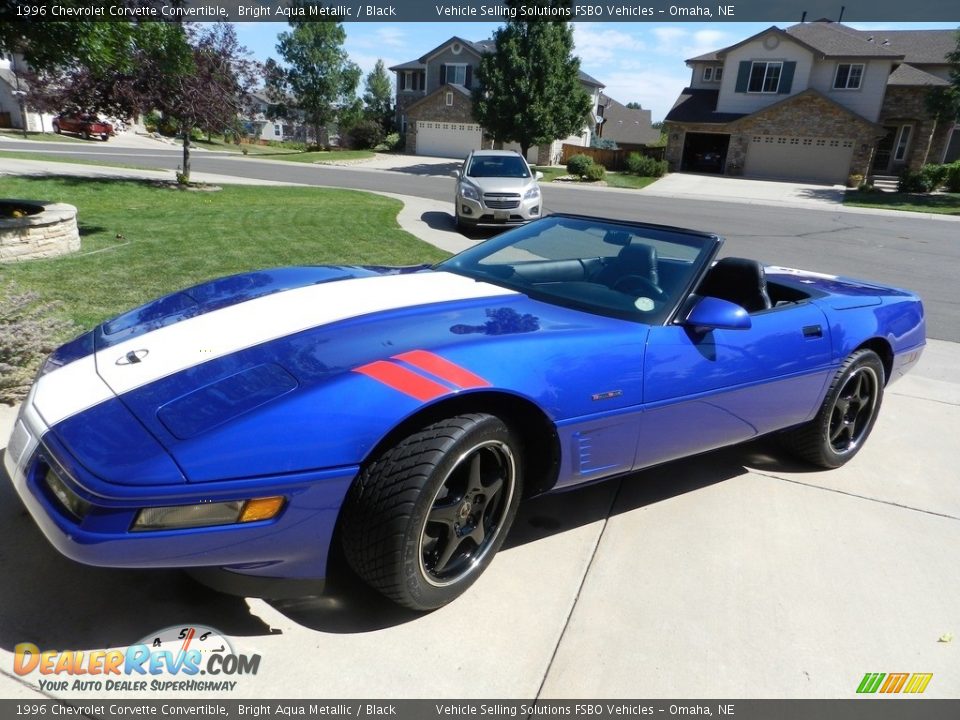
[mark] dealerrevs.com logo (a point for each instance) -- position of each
(191, 658)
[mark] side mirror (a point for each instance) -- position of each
(538, 175)
(455, 174)
(712, 313)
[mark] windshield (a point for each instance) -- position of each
(512, 166)
(628, 270)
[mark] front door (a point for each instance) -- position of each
(884, 153)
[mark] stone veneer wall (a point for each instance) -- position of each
(52, 232)
(435, 109)
(806, 115)
(908, 105)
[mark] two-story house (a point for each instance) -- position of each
(434, 109)
(814, 102)
(14, 113)
(259, 121)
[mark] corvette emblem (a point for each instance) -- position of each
(133, 357)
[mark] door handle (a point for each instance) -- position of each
(812, 331)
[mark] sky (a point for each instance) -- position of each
(638, 62)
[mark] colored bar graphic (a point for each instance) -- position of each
(441, 368)
(894, 682)
(870, 682)
(918, 683)
(914, 683)
(403, 380)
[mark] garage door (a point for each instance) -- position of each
(805, 159)
(444, 139)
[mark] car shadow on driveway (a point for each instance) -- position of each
(54, 602)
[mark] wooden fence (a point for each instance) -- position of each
(611, 159)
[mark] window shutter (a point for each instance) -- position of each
(786, 78)
(443, 74)
(743, 76)
(467, 80)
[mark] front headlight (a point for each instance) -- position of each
(469, 192)
(208, 514)
(533, 193)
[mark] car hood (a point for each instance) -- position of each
(500, 184)
(295, 370)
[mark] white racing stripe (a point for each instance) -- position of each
(223, 332)
(69, 390)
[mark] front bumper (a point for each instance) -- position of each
(294, 544)
(479, 212)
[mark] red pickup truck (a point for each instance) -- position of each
(86, 126)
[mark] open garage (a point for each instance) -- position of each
(806, 159)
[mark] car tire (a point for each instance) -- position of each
(845, 418)
(424, 519)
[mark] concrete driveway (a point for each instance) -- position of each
(737, 574)
(763, 192)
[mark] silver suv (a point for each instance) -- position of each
(496, 187)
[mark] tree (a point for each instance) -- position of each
(634, 105)
(528, 89)
(209, 91)
(944, 102)
(377, 97)
(195, 75)
(318, 74)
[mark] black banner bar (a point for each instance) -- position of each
(872, 708)
(773, 11)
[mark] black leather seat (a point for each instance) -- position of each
(634, 259)
(738, 280)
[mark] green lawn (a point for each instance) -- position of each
(251, 148)
(140, 240)
(50, 157)
(944, 203)
(613, 179)
(43, 136)
(325, 156)
(625, 180)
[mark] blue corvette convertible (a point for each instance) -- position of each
(253, 422)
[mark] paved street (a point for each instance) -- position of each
(900, 249)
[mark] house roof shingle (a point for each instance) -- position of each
(907, 74)
(626, 125)
(480, 47)
(834, 40)
(920, 47)
(698, 106)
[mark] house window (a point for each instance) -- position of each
(449, 99)
(765, 77)
(712, 74)
(411, 80)
(848, 76)
(903, 142)
(276, 129)
(457, 74)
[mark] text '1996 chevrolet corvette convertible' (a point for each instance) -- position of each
(251, 422)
